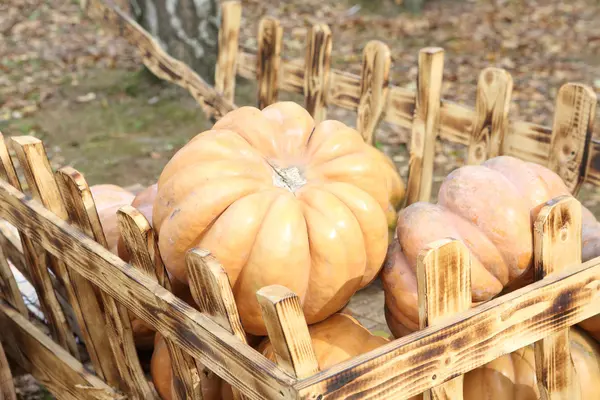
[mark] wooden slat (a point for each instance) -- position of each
(9, 288)
(270, 38)
(287, 329)
(525, 140)
(231, 16)
(212, 293)
(80, 293)
(7, 387)
(141, 244)
(425, 125)
(494, 90)
(557, 243)
(62, 374)
(571, 134)
(7, 169)
(196, 333)
(316, 71)
(405, 367)
(444, 288)
(117, 327)
(374, 88)
(29, 150)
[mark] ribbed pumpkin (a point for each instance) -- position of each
(336, 339)
(279, 200)
(491, 208)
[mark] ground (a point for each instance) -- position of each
(67, 81)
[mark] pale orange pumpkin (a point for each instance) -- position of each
(279, 200)
(490, 208)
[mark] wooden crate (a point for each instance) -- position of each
(58, 245)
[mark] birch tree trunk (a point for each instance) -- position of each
(187, 29)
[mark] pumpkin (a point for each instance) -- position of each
(278, 200)
(108, 199)
(490, 208)
(162, 376)
(336, 339)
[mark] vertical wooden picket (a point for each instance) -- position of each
(557, 246)
(80, 292)
(494, 90)
(229, 31)
(425, 127)
(83, 214)
(374, 88)
(288, 332)
(316, 71)
(212, 293)
(31, 155)
(268, 58)
(142, 246)
(572, 134)
(444, 289)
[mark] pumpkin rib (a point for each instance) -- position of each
(206, 174)
(371, 220)
(223, 255)
(323, 260)
(210, 145)
(173, 241)
(282, 241)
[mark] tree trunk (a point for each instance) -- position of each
(186, 29)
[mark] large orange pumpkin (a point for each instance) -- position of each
(279, 200)
(490, 208)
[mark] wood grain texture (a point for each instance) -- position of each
(572, 134)
(212, 293)
(374, 88)
(63, 375)
(425, 125)
(528, 141)
(79, 292)
(141, 244)
(117, 327)
(406, 366)
(317, 66)
(268, 60)
(557, 244)
(197, 334)
(287, 329)
(444, 289)
(229, 31)
(7, 387)
(525, 140)
(33, 159)
(494, 90)
(7, 169)
(9, 288)
(157, 60)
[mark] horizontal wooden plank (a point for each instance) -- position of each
(427, 358)
(49, 363)
(530, 142)
(196, 333)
